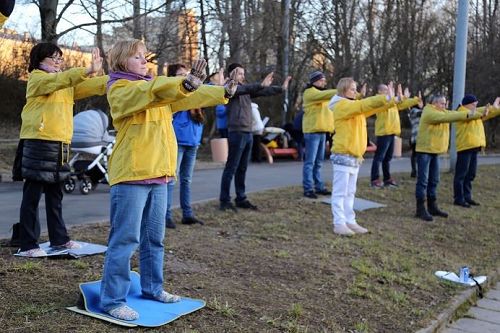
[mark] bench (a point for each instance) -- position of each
(270, 153)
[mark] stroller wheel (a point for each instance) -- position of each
(85, 186)
(69, 185)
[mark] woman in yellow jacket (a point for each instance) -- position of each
(46, 130)
(432, 140)
(349, 145)
(143, 161)
(470, 139)
(6, 8)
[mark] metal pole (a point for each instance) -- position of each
(460, 70)
(286, 54)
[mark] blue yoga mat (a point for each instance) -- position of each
(151, 313)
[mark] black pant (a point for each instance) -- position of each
(413, 158)
(256, 151)
(30, 223)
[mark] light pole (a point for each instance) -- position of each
(460, 70)
(286, 54)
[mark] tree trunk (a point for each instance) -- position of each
(48, 19)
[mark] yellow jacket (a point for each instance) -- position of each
(48, 113)
(388, 123)
(142, 115)
(317, 116)
(3, 18)
(470, 133)
(434, 131)
(350, 122)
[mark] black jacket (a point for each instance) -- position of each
(239, 107)
(45, 161)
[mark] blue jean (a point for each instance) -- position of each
(465, 172)
(137, 215)
(314, 156)
(186, 159)
(383, 154)
(427, 175)
(240, 148)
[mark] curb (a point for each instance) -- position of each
(467, 296)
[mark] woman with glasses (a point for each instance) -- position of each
(46, 130)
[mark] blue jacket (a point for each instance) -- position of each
(221, 116)
(187, 131)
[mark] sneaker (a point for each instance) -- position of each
(191, 220)
(124, 313)
(390, 183)
(357, 228)
(169, 223)
(324, 192)
(342, 230)
(70, 245)
(472, 202)
(245, 204)
(227, 205)
(310, 195)
(33, 253)
(165, 297)
(377, 183)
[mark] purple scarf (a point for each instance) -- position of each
(115, 76)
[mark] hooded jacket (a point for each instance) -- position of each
(350, 122)
(146, 146)
(470, 133)
(317, 116)
(434, 129)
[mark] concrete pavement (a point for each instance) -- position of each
(80, 209)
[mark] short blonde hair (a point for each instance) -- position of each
(121, 51)
(344, 84)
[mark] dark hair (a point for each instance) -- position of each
(41, 51)
(172, 69)
(232, 66)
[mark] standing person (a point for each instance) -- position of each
(46, 130)
(414, 116)
(188, 127)
(240, 135)
(432, 140)
(387, 126)
(217, 79)
(143, 161)
(470, 138)
(257, 131)
(6, 8)
(349, 145)
(316, 124)
(297, 133)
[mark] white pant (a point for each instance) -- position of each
(343, 191)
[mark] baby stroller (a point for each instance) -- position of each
(90, 138)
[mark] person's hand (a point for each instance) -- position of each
(399, 92)
(231, 85)
(96, 61)
(362, 91)
(284, 86)
(486, 110)
(390, 91)
(420, 100)
(222, 79)
(406, 93)
(196, 76)
(496, 103)
(267, 80)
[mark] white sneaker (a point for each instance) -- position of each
(70, 245)
(342, 229)
(357, 228)
(33, 253)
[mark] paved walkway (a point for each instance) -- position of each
(482, 318)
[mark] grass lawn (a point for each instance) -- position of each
(281, 269)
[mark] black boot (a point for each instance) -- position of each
(433, 208)
(422, 212)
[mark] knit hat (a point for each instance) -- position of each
(233, 66)
(469, 99)
(315, 76)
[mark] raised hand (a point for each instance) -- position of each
(231, 85)
(390, 90)
(496, 103)
(286, 82)
(222, 79)
(267, 80)
(362, 91)
(196, 76)
(420, 100)
(400, 92)
(96, 61)
(406, 93)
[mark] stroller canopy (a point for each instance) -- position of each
(90, 129)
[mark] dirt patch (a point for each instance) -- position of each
(281, 269)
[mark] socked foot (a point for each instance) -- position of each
(124, 312)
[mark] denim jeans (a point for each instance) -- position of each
(186, 159)
(427, 175)
(383, 154)
(137, 215)
(465, 172)
(314, 156)
(240, 148)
